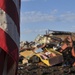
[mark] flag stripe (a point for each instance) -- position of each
(2, 59)
(9, 46)
(17, 5)
(8, 25)
(10, 8)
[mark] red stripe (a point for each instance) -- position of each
(10, 8)
(9, 64)
(7, 44)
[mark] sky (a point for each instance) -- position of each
(37, 16)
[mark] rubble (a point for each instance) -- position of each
(56, 56)
(45, 70)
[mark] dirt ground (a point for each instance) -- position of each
(35, 69)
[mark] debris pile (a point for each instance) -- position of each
(45, 70)
(48, 54)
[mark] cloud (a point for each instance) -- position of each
(33, 16)
(28, 31)
(54, 11)
(36, 17)
(68, 17)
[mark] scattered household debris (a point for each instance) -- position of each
(49, 50)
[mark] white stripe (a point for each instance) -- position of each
(17, 5)
(8, 25)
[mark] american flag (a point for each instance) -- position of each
(9, 36)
